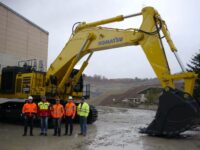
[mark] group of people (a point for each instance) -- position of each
(44, 110)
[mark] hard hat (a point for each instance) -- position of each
(70, 97)
(30, 98)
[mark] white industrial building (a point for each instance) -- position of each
(21, 39)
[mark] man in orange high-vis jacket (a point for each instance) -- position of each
(70, 112)
(29, 112)
(57, 112)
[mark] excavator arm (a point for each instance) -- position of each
(88, 38)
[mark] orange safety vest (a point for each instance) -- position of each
(57, 111)
(29, 108)
(70, 109)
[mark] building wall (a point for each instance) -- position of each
(20, 39)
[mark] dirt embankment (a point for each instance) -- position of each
(131, 93)
(102, 90)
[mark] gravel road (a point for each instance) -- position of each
(116, 129)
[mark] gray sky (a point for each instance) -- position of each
(58, 16)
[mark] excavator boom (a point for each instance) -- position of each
(90, 37)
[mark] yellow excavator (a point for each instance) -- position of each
(178, 111)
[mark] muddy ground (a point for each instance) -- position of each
(115, 129)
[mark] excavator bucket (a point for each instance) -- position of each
(176, 113)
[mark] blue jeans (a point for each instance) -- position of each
(44, 124)
(83, 124)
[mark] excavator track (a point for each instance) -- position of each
(177, 112)
(93, 115)
(10, 111)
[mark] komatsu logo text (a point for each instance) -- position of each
(111, 41)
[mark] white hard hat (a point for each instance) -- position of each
(70, 97)
(30, 97)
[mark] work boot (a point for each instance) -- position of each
(25, 131)
(31, 132)
(55, 132)
(24, 134)
(71, 130)
(41, 134)
(66, 131)
(70, 133)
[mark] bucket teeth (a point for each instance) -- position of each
(175, 114)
